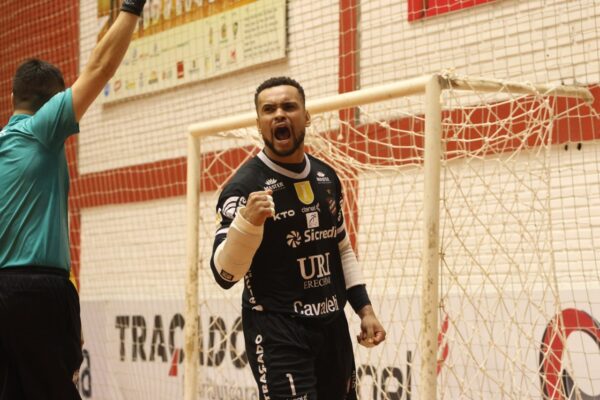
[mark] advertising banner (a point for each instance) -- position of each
(184, 41)
(134, 350)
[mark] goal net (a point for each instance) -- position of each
(472, 227)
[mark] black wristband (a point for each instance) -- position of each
(133, 6)
(358, 297)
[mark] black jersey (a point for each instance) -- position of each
(297, 268)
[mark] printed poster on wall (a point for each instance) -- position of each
(134, 349)
(183, 41)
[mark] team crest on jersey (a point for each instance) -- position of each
(304, 192)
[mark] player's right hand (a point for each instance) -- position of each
(259, 207)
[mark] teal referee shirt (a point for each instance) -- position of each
(34, 186)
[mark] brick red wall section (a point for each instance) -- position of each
(46, 29)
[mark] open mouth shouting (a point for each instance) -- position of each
(282, 133)
(283, 142)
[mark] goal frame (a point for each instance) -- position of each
(432, 86)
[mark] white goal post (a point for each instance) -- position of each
(434, 114)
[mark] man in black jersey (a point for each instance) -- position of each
(281, 229)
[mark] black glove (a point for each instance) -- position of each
(133, 6)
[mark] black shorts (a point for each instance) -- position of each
(40, 334)
(292, 359)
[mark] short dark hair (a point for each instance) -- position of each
(279, 81)
(34, 83)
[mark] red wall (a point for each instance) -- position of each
(46, 29)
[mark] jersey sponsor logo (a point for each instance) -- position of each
(231, 205)
(272, 184)
(316, 207)
(317, 283)
(311, 235)
(262, 368)
(327, 306)
(314, 266)
(293, 239)
(248, 282)
(304, 192)
(315, 270)
(312, 220)
(322, 178)
(284, 214)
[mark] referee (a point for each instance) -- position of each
(40, 326)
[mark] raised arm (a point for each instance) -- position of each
(106, 57)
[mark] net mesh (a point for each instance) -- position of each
(504, 287)
(520, 198)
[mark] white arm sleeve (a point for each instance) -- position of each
(352, 273)
(234, 255)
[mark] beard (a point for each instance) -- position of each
(297, 142)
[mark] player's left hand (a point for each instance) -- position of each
(371, 331)
(133, 6)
